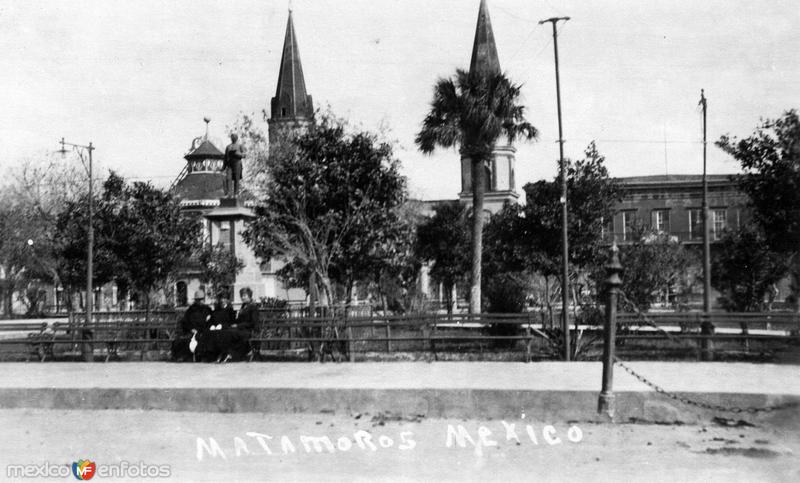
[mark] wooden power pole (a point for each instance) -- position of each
(564, 237)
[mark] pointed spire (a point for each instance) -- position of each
(291, 100)
(484, 50)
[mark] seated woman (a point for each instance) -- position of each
(223, 341)
(247, 319)
(223, 315)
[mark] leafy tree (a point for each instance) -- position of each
(770, 159)
(252, 132)
(33, 193)
(652, 263)
(219, 266)
(474, 110)
(592, 197)
(148, 233)
(395, 271)
(331, 207)
(743, 268)
(17, 256)
(443, 241)
(527, 239)
(141, 237)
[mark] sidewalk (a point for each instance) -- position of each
(547, 390)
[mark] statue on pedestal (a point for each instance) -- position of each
(234, 153)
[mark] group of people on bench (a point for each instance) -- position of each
(218, 334)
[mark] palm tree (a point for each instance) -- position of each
(474, 111)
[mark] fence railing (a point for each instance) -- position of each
(527, 334)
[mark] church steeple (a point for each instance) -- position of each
(291, 103)
(500, 181)
(484, 50)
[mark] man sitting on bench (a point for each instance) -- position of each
(195, 320)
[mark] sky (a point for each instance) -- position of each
(137, 78)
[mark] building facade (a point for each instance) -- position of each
(672, 204)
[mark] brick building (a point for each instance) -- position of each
(672, 204)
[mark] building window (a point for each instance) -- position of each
(607, 229)
(628, 223)
(181, 294)
(720, 223)
(224, 235)
(660, 221)
(695, 224)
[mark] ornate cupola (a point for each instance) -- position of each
(202, 183)
(500, 171)
(291, 108)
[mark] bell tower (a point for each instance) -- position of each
(500, 183)
(291, 109)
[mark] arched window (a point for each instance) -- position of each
(181, 294)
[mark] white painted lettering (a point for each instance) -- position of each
(364, 440)
(574, 434)
(240, 446)
(406, 442)
(511, 432)
(344, 443)
(548, 433)
(262, 440)
(483, 434)
(286, 445)
(531, 433)
(460, 437)
(211, 447)
(317, 442)
(385, 441)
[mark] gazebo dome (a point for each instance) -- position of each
(203, 181)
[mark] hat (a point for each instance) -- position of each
(199, 295)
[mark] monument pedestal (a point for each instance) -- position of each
(230, 202)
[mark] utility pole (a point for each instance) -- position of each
(706, 227)
(706, 327)
(564, 238)
(80, 149)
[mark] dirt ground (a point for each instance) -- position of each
(364, 447)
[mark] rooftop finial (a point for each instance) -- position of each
(290, 6)
(207, 120)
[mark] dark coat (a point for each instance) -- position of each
(223, 315)
(196, 317)
(247, 319)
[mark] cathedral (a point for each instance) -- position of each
(200, 186)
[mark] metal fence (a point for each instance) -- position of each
(348, 334)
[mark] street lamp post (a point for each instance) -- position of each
(81, 150)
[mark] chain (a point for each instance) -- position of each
(684, 400)
(647, 320)
(700, 404)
